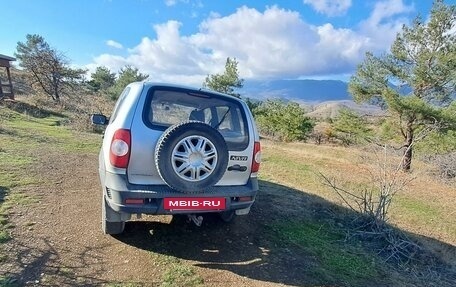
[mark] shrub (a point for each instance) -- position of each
(283, 121)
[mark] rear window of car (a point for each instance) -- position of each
(169, 106)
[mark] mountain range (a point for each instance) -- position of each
(321, 98)
(309, 91)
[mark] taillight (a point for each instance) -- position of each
(256, 157)
(119, 153)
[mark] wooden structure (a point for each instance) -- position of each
(6, 89)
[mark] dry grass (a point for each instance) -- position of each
(76, 108)
(424, 210)
(425, 207)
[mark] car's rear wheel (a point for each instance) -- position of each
(191, 156)
(110, 227)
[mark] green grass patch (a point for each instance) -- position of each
(127, 284)
(4, 236)
(180, 274)
(19, 135)
(15, 178)
(65, 271)
(15, 160)
(417, 207)
(6, 281)
(30, 130)
(3, 257)
(290, 163)
(20, 198)
(291, 169)
(83, 143)
(339, 262)
(418, 212)
(177, 273)
(165, 259)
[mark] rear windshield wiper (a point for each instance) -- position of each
(223, 118)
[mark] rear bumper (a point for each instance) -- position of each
(117, 190)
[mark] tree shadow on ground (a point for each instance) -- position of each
(41, 267)
(254, 247)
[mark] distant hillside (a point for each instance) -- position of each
(330, 109)
(313, 91)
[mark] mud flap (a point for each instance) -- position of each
(243, 211)
(114, 216)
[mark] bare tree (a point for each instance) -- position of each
(49, 68)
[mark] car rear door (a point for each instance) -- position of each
(165, 106)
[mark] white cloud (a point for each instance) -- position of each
(330, 7)
(113, 62)
(114, 44)
(194, 3)
(168, 52)
(170, 57)
(384, 22)
(198, 4)
(276, 43)
(388, 9)
(265, 42)
(170, 2)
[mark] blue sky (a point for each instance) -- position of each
(184, 40)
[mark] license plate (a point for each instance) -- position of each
(194, 203)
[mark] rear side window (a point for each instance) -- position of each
(169, 106)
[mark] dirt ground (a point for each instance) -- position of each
(58, 241)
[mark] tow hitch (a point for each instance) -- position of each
(198, 220)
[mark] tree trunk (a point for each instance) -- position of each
(408, 153)
(56, 93)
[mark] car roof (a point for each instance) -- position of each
(152, 84)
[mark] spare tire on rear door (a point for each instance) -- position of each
(191, 156)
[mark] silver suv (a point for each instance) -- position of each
(171, 149)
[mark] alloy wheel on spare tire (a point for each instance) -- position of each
(191, 156)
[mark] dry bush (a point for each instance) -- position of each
(322, 133)
(445, 164)
(371, 201)
(77, 107)
(42, 101)
(372, 198)
(80, 107)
